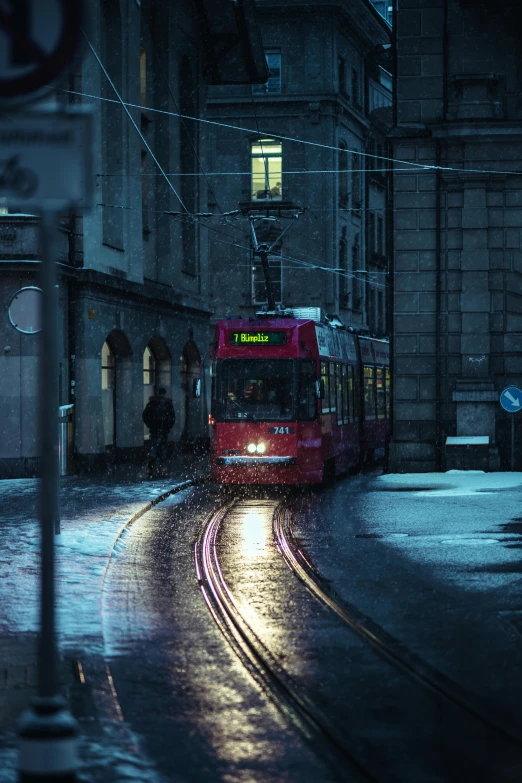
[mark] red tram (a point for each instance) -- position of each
(295, 401)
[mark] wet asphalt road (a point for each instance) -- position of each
(201, 716)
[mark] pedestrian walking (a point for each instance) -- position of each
(159, 417)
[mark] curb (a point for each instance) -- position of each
(147, 507)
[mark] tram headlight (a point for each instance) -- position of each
(261, 448)
(251, 448)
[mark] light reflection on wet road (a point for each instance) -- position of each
(199, 712)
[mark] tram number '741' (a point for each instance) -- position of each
(280, 430)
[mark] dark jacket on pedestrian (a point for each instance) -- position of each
(159, 415)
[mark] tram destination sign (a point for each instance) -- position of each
(266, 338)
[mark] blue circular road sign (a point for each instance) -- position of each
(511, 399)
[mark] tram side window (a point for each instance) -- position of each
(381, 401)
(332, 387)
(346, 406)
(339, 391)
(326, 383)
(369, 393)
(307, 407)
(352, 395)
(388, 393)
(213, 388)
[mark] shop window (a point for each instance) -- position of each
(267, 169)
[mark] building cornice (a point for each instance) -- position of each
(362, 20)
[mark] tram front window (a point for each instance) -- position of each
(257, 388)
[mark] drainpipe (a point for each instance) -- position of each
(439, 360)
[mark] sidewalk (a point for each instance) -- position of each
(95, 511)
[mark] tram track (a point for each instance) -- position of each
(347, 754)
(391, 649)
(344, 755)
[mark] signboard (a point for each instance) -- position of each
(38, 41)
(332, 342)
(25, 310)
(266, 338)
(511, 399)
(45, 160)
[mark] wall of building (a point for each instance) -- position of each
(457, 275)
(313, 106)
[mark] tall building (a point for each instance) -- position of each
(457, 230)
(134, 278)
(313, 136)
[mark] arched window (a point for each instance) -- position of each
(190, 361)
(108, 386)
(149, 367)
(156, 372)
(343, 176)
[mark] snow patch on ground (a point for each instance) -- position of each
(83, 550)
(453, 482)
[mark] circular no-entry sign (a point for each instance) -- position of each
(25, 310)
(38, 41)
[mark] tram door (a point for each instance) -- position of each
(190, 367)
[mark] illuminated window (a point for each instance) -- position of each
(369, 393)
(381, 396)
(325, 377)
(108, 368)
(273, 61)
(339, 391)
(267, 169)
(258, 280)
(149, 367)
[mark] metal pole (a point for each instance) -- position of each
(263, 254)
(47, 731)
(512, 442)
(49, 482)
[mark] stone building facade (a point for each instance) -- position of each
(134, 277)
(457, 230)
(302, 138)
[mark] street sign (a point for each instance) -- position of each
(38, 41)
(25, 310)
(46, 159)
(511, 399)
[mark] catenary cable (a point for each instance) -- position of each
(413, 166)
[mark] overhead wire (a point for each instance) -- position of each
(421, 167)
(187, 213)
(131, 118)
